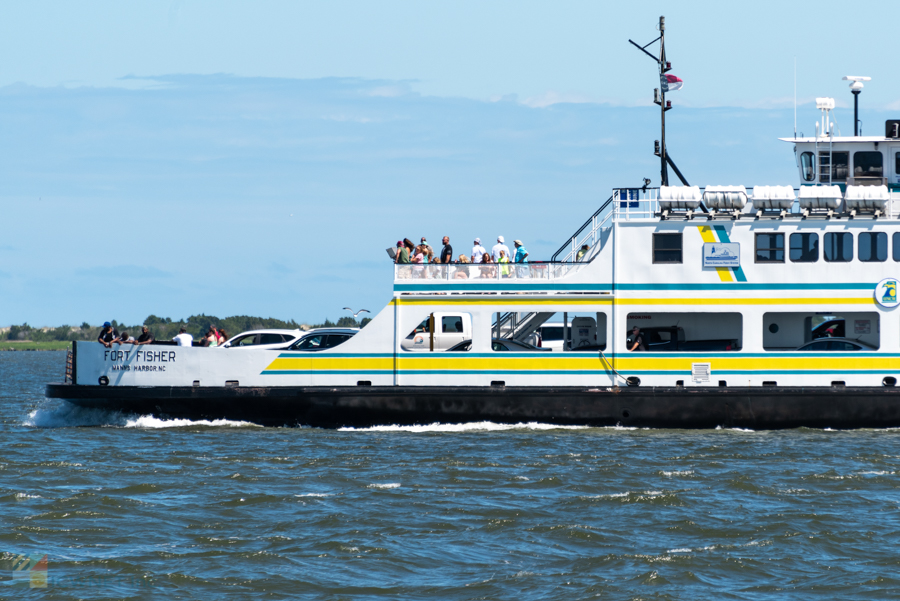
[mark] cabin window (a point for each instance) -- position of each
(804, 248)
(807, 167)
(896, 242)
(770, 248)
(897, 163)
(840, 167)
(667, 248)
(838, 247)
(868, 163)
(873, 246)
(700, 332)
(803, 329)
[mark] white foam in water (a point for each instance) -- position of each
(676, 473)
(388, 485)
(316, 494)
(150, 422)
(470, 427)
(66, 415)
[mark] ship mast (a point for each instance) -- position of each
(659, 97)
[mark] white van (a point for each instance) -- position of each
(450, 330)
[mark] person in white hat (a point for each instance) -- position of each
(478, 251)
(495, 252)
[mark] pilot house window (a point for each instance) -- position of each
(838, 246)
(770, 248)
(667, 248)
(868, 164)
(873, 246)
(833, 166)
(808, 167)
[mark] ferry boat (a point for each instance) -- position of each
(730, 287)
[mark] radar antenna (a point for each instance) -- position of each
(856, 87)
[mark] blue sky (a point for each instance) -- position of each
(257, 158)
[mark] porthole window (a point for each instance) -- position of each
(773, 328)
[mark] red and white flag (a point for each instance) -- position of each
(670, 83)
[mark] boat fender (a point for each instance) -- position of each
(633, 381)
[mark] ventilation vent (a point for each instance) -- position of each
(700, 372)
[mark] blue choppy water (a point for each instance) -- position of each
(134, 507)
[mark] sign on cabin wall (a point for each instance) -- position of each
(721, 254)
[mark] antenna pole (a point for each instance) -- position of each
(795, 97)
(855, 112)
(664, 171)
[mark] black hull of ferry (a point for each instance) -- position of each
(358, 406)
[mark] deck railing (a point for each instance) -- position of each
(480, 272)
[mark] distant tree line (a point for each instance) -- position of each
(164, 328)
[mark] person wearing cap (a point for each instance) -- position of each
(183, 338)
(521, 256)
(428, 252)
(145, 338)
(402, 255)
(478, 251)
(495, 252)
(108, 335)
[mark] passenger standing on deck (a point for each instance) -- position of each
(637, 340)
(504, 267)
(107, 334)
(429, 252)
(183, 338)
(521, 257)
(446, 251)
(212, 337)
(478, 251)
(146, 337)
(495, 252)
(402, 256)
(223, 336)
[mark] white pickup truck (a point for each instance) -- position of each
(450, 329)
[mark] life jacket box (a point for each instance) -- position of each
(584, 332)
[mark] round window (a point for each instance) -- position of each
(773, 328)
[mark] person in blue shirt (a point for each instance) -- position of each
(521, 257)
(521, 253)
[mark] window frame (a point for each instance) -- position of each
(859, 246)
(833, 167)
(868, 152)
(791, 247)
(756, 247)
(679, 250)
(811, 167)
(825, 247)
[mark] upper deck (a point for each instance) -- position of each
(818, 235)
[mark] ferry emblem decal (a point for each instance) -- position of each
(886, 293)
(721, 253)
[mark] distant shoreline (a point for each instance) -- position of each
(28, 345)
